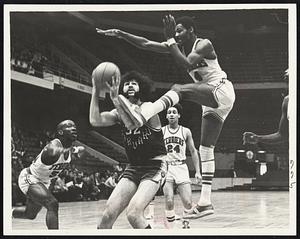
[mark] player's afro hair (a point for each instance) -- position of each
(145, 84)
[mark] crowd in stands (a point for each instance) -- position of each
(73, 184)
(76, 185)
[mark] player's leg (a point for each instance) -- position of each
(151, 181)
(29, 212)
(135, 210)
(168, 190)
(210, 131)
(40, 194)
(212, 123)
(117, 202)
(195, 92)
(185, 193)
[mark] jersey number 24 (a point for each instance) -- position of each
(171, 148)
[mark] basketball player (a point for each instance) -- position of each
(211, 89)
(282, 134)
(35, 180)
(144, 147)
(177, 138)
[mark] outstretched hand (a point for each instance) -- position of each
(109, 32)
(169, 26)
(113, 86)
(250, 138)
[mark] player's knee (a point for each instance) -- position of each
(52, 205)
(169, 201)
(176, 88)
(133, 214)
(109, 215)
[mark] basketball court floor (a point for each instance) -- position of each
(233, 210)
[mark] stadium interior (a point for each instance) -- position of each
(54, 53)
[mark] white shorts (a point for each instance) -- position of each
(225, 96)
(178, 174)
(26, 179)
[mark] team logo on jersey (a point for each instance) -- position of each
(57, 168)
(174, 140)
(136, 137)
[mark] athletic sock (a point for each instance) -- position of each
(167, 100)
(170, 215)
(208, 170)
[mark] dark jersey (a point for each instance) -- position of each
(143, 144)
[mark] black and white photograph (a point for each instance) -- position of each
(176, 118)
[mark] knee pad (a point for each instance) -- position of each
(206, 153)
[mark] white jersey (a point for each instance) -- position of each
(175, 143)
(46, 172)
(207, 71)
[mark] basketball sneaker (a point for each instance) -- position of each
(133, 111)
(198, 211)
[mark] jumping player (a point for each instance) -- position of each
(34, 181)
(211, 89)
(144, 147)
(282, 134)
(177, 138)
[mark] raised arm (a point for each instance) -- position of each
(203, 48)
(138, 41)
(195, 157)
(97, 118)
(278, 137)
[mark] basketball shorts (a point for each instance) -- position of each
(26, 179)
(178, 174)
(224, 96)
(137, 174)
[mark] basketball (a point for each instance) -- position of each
(103, 73)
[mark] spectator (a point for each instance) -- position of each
(110, 183)
(60, 190)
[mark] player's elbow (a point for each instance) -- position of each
(94, 122)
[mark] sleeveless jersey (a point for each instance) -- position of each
(207, 71)
(46, 172)
(143, 144)
(175, 143)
